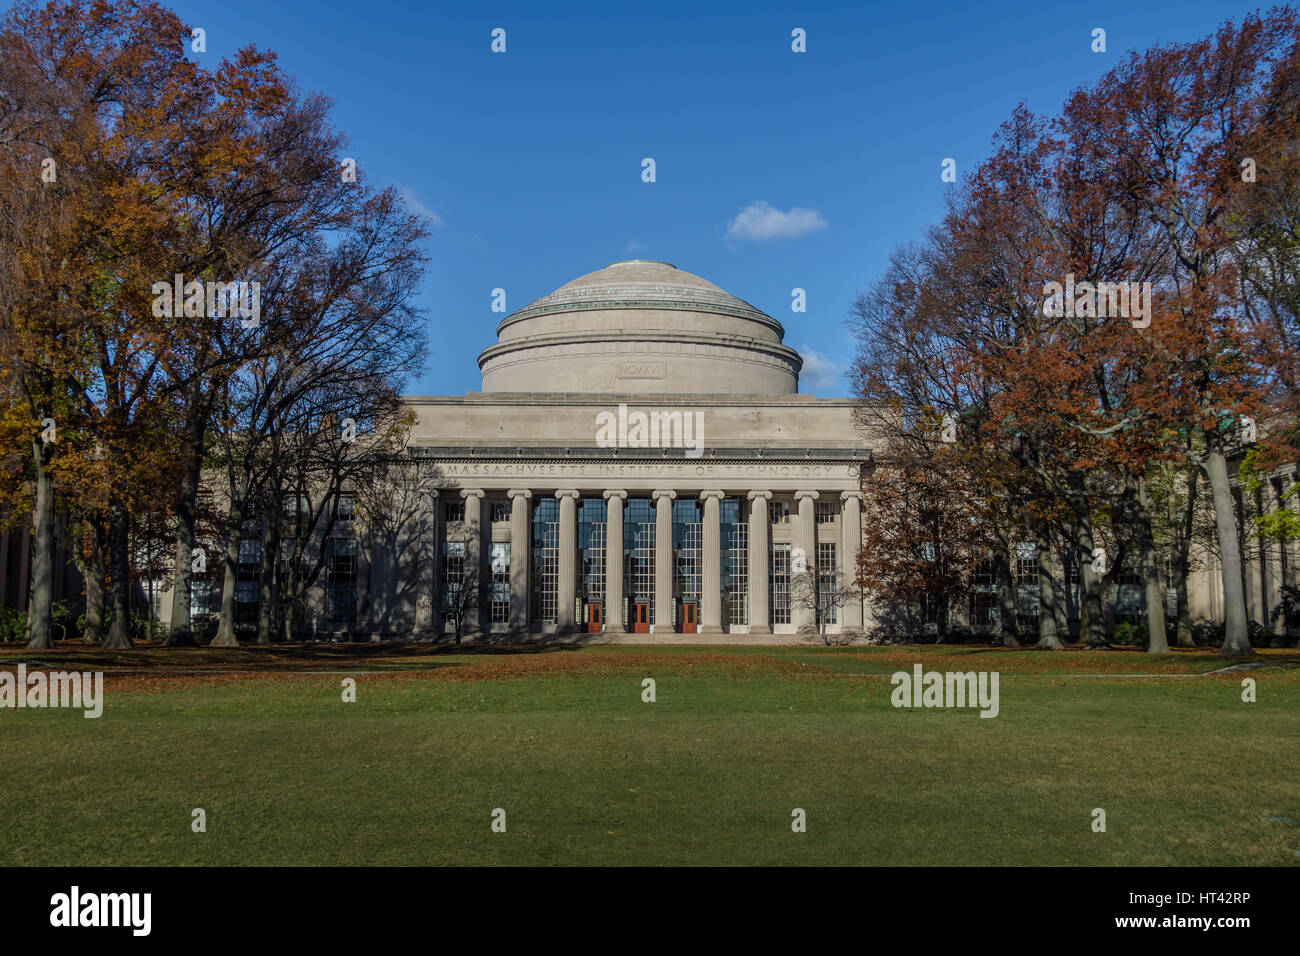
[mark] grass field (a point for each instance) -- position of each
(587, 773)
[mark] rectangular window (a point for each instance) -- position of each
(1129, 598)
(546, 561)
(453, 562)
(984, 609)
(346, 506)
(688, 540)
(592, 525)
(500, 511)
(826, 588)
(453, 511)
(735, 563)
(1027, 584)
(984, 601)
(639, 552)
(825, 511)
(780, 584)
(501, 583)
(341, 580)
(250, 555)
(200, 593)
(931, 606)
(453, 574)
(246, 593)
(779, 511)
(248, 581)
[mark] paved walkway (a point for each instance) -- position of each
(685, 640)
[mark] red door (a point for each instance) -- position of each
(595, 618)
(641, 619)
(688, 619)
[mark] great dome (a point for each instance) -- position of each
(640, 327)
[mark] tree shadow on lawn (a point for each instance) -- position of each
(270, 657)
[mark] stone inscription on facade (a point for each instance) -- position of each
(667, 469)
(641, 370)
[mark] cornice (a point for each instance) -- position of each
(575, 453)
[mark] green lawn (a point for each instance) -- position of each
(708, 774)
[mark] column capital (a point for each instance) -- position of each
(519, 493)
(765, 495)
(568, 493)
(613, 493)
(846, 495)
(670, 495)
(468, 493)
(706, 495)
(800, 495)
(433, 493)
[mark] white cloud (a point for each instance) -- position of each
(635, 247)
(413, 203)
(758, 220)
(819, 373)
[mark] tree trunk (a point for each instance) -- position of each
(1059, 610)
(1007, 626)
(180, 631)
(1158, 641)
(1183, 629)
(1092, 625)
(294, 613)
(1047, 636)
(93, 568)
(226, 626)
(119, 630)
(148, 563)
(1182, 561)
(41, 584)
(1236, 638)
(266, 585)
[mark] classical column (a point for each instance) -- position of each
(520, 556)
(664, 623)
(438, 617)
(426, 600)
(802, 557)
(474, 556)
(565, 622)
(759, 521)
(850, 543)
(614, 620)
(711, 579)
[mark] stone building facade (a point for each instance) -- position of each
(639, 461)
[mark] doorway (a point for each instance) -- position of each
(595, 618)
(687, 623)
(640, 618)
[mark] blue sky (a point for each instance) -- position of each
(530, 161)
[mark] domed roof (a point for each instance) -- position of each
(644, 327)
(640, 283)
